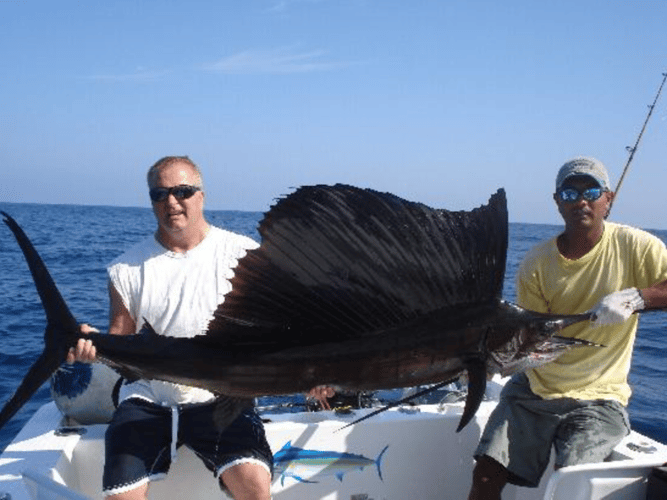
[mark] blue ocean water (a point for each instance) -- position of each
(77, 242)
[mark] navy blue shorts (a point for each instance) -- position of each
(139, 442)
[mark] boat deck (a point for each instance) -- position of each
(411, 452)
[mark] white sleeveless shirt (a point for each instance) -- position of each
(177, 294)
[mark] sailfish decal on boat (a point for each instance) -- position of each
(349, 287)
(306, 465)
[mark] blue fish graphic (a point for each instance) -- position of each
(303, 465)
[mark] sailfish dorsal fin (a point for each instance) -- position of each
(340, 261)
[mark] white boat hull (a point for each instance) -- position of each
(424, 459)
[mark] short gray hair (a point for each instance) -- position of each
(168, 161)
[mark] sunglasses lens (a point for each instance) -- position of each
(569, 195)
(158, 194)
(592, 194)
(179, 192)
(184, 192)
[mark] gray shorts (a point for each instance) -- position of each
(522, 428)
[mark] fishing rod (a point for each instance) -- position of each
(632, 150)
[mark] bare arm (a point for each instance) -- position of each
(655, 297)
(120, 323)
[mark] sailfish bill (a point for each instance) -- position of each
(350, 287)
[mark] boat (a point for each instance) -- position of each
(411, 451)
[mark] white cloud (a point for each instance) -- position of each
(281, 60)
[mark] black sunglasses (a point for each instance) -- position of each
(572, 195)
(182, 192)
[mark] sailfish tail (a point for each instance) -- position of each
(61, 330)
(39, 372)
(378, 462)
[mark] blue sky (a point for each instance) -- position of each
(441, 102)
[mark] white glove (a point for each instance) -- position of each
(617, 307)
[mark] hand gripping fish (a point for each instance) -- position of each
(350, 287)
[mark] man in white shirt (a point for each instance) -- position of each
(175, 281)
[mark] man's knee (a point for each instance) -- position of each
(139, 493)
(247, 481)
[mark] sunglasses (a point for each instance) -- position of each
(182, 192)
(572, 195)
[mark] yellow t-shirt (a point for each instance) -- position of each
(548, 282)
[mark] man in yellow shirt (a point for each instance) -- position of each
(576, 403)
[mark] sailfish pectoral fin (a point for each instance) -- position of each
(394, 404)
(47, 363)
(476, 389)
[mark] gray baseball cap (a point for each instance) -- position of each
(584, 165)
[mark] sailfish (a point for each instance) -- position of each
(350, 287)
